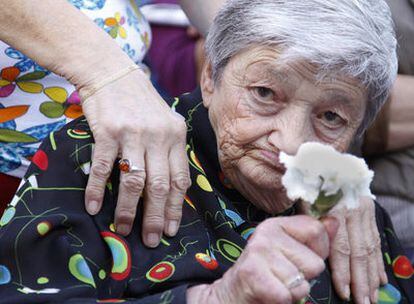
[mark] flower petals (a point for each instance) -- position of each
(52, 109)
(7, 90)
(57, 94)
(10, 73)
(30, 87)
(10, 113)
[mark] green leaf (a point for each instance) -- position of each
(113, 32)
(32, 76)
(13, 136)
(324, 203)
(52, 109)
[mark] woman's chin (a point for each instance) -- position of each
(262, 176)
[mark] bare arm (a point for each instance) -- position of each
(201, 12)
(62, 39)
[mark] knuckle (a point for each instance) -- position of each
(265, 226)
(173, 211)
(126, 215)
(359, 257)
(180, 126)
(154, 222)
(258, 245)
(93, 192)
(357, 212)
(124, 127)
(101, 169)
(158, 187)
(371, 248)
(181, 182)
(341, 246)
(247, 271)
(134, 182)
(317, 267)
(315, 230)
(285, 297)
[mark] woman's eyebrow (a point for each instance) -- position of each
(338, 96)
(278, 74)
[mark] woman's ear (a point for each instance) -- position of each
(207, 84)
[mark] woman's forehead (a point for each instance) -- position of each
(262, 65)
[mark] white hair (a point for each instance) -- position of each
(353, 38)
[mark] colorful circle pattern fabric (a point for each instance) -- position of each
(206, 261)
(7, 216)
(5, 276)
(203, 183)
(229, 250)
(80, 269)
(402, 267)
(121, 256)
(78, 134)
(43, 228)
(41, 160)
(161, 272)
(388, 294)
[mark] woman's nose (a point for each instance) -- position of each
(289, 134)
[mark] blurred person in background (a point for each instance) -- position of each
(389, 144)
(177, 54)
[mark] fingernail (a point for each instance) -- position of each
(172, 228)
(123, 229)
(347, 292)
(375, 297)
(92, 207)
(366, 300)
(153, 239)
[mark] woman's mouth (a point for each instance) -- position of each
(271, 159)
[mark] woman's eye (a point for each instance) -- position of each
(264, 93)
(332, 119)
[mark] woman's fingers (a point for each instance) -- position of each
(359, 258)
(373, 242)
(180, 182)
(103, 158)
(339, 258)
(280, 245)
(131, 185)
(292, 277)
(293, 241)
(157, 188)
(314, 236)
(378, 252)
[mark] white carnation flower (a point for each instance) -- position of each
(319, 170)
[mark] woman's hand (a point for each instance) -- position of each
(356, 258)
(279, 259)
(130, 120)
(127, 116)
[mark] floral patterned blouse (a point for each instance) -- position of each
(35, 102)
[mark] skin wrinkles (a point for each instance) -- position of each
(262, 107)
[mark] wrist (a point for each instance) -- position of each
(200, 294)
(93, 87)
(92, 70)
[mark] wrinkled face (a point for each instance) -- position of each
(262, 107)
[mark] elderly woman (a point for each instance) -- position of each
(279, 74)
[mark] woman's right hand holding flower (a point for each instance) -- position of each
(280, 259)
